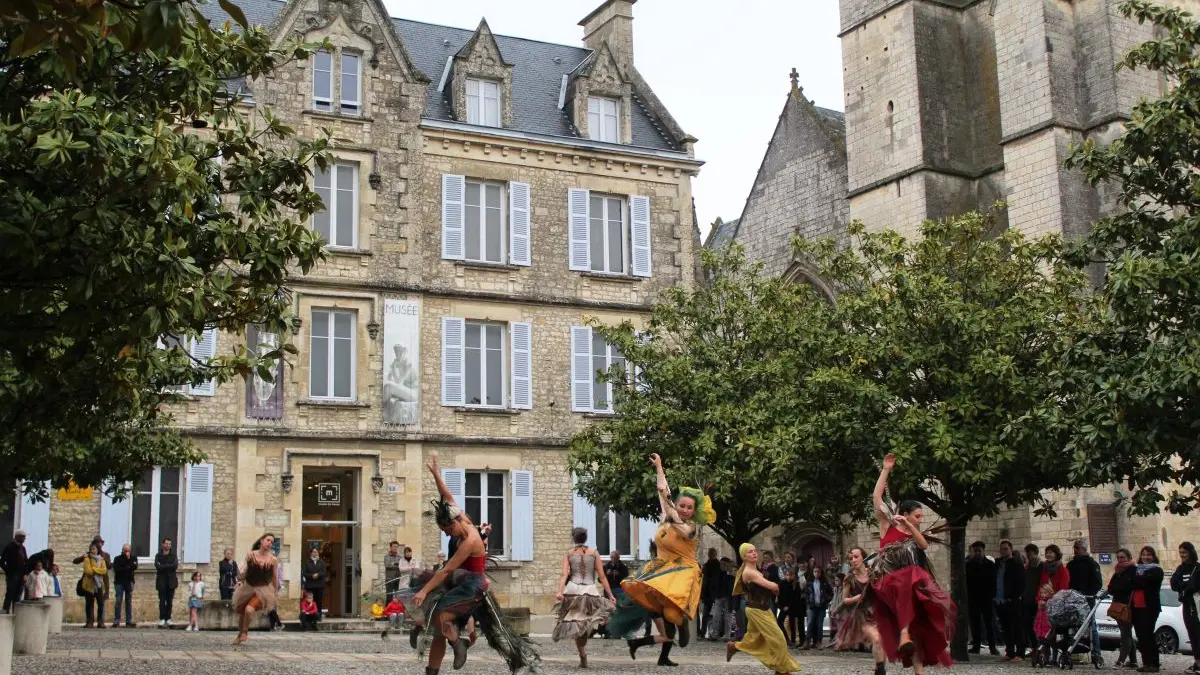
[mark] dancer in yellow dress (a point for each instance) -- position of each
(763, 640)
(667, 587)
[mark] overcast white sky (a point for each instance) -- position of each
(720, 67)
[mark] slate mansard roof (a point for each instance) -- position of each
(537, 76)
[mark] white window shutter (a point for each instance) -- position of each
(456, 482)
(204, 350)
(639, 211)
(582, 375)
(584, 516)
(522, 516)
(454, 216)
(35, 520)
(518, 224)
(197, 514)
(454, 386)
(115, 521)
(521, 380)
(646, 530)
(579, 202)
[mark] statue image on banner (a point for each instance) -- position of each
(401, 377)
(264, 398)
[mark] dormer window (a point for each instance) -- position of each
(483, 102)
(604, 119)
(346, 90)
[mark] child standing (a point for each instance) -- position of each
(195, 600)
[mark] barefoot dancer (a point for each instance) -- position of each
(458, 593)
(258, 585)
(858, 620)
(581, 607)
(914, 615)
(669, 586)
(763, 639)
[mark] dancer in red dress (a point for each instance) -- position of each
(914, 615)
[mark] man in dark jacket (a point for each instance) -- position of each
(981, 594)
(1033, 577)
(14, 561)
(1087, 578)
(1010, 586)
(709, 579)
(166, 580)
(313, 576)
(124, 566)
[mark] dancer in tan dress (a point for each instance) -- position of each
(258, 585)
(581, 607)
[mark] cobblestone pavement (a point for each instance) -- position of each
(156, 652)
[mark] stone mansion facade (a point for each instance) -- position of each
(493, 198)
(951, 105)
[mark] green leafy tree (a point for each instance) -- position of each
(722, 392)
(1133, 386)
(949, 341)
(137, 202)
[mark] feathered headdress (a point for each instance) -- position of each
(443, 512)
(705, 514)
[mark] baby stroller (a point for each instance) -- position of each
(1069, 630)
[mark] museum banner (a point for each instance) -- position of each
(402, 361)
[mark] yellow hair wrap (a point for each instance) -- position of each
(738, 587)
(705, 514)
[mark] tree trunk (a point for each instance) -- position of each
(958, 587)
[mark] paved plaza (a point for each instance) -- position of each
(157, 652)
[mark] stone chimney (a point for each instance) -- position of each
(611, 22)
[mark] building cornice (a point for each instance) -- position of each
(923, 167)
(288, 433)
(961, 5)
(449, 132)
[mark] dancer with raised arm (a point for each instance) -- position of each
(915, 617)
(258, 585)
(581, 607)
(458, 592)
(668, 587)
(763, 639)
(858, 619)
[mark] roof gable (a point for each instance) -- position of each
(482, 46)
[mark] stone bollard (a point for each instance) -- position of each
(6, 643)
(56, 613)
(31, 627)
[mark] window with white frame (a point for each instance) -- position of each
(485, 503)
(615, 532)
(485, 222)
(331, 360)
(201, 350)
(323, 81)
(604, 119)
(607, 232)
(592, 358)
(483, 102)
(484, 352)
(351, 83)
(156, 508)
(338, 190)
(604, 358)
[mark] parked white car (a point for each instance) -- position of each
(1170, 632)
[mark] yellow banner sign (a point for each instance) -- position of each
(74, 493)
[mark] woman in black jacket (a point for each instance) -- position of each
(820, 594)
(1147, 581)
(791, 608)
(1120, 587)
(1184, 582)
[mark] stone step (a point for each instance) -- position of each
(341, 626)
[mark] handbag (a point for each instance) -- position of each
(1120, 612)
(79, 588)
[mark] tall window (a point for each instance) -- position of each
(323, 81)
(604, 357)
(331, 363)
(202, 350)
(606, 234)
(483, 102)
(338, 190)
(351, 83)
(156, 508)
(485, 222)
(486, 504)
(615, 532)
(603, 119)
(485, 364)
